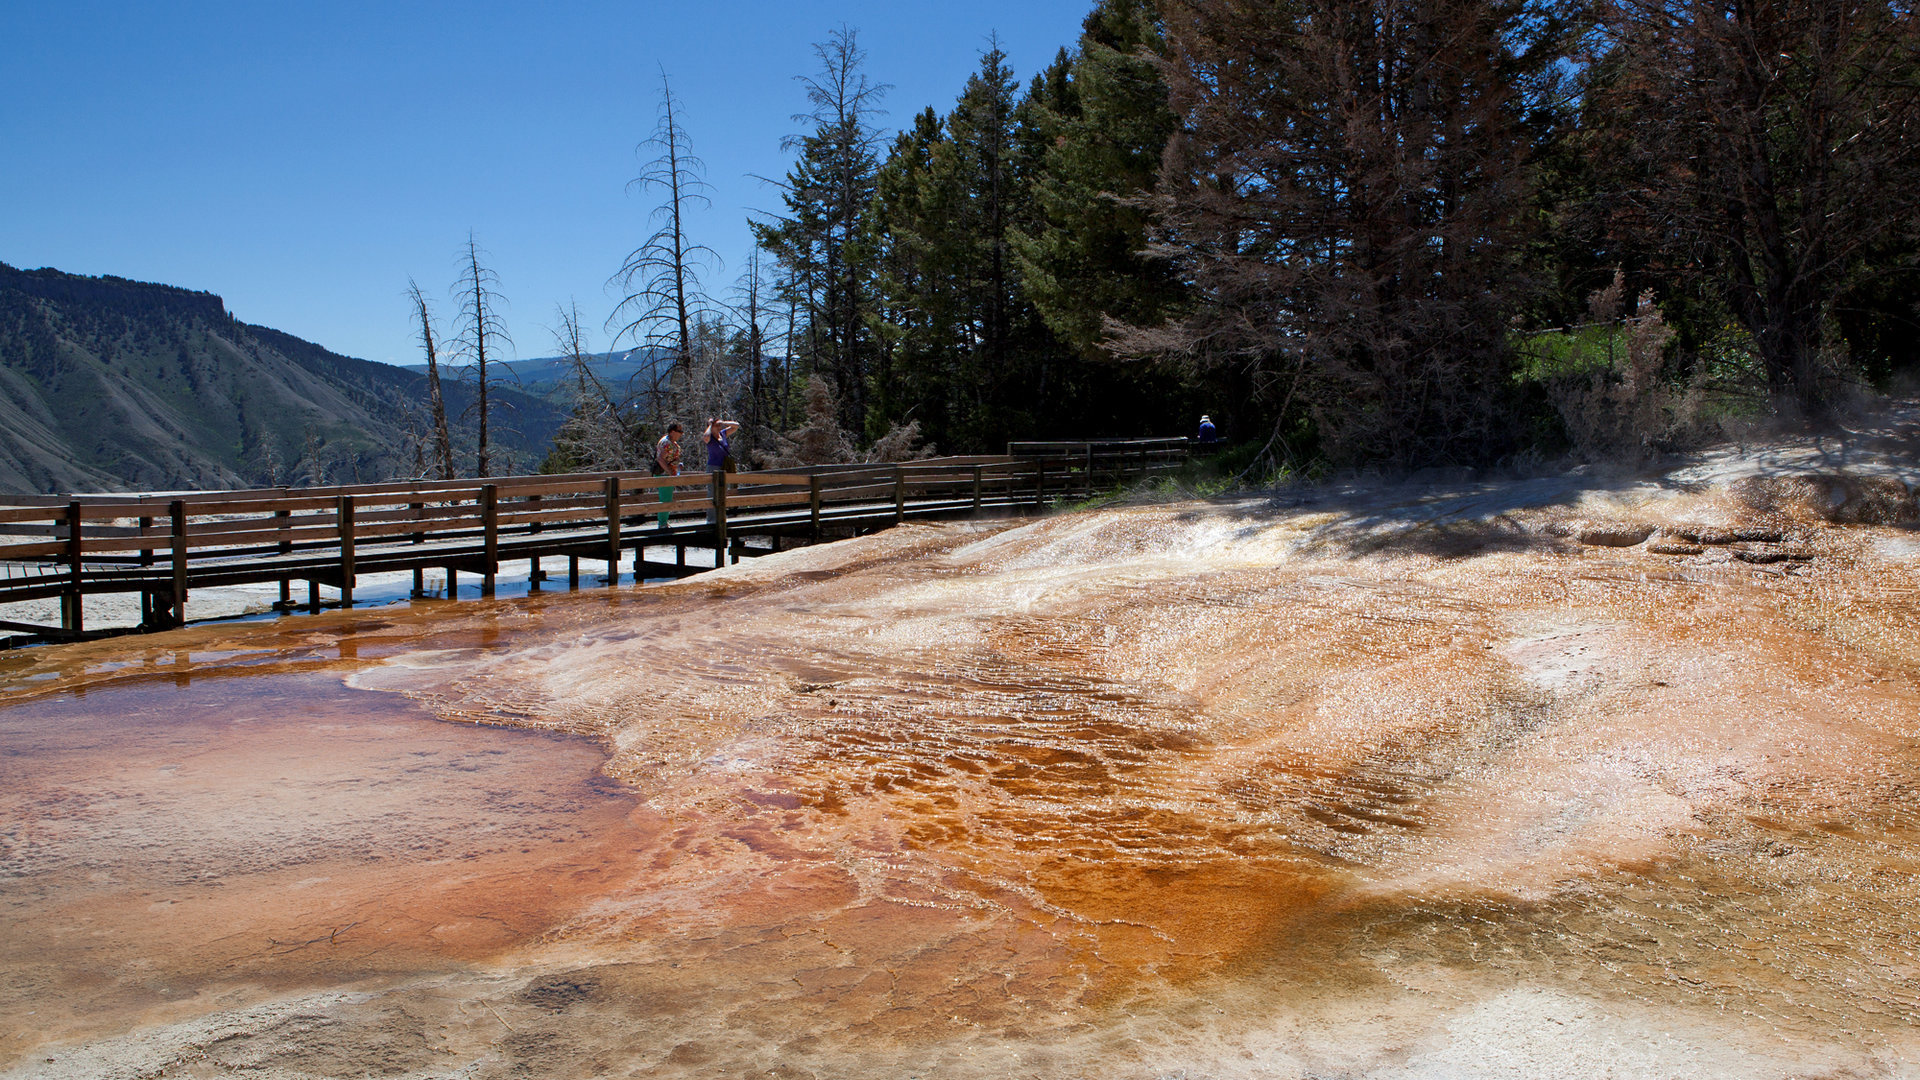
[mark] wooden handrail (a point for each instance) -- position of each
(162, 544)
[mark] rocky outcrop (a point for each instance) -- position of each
(1839, 498)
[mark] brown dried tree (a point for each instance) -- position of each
(1768, 146)
(1346, 196)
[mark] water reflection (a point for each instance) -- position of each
(165, 851)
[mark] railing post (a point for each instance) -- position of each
(976, 489)
(346, 550)
(146, 554)
(285, 548)
(490, 536)
(613, 530)
(1089, 470)
(70, 603)
(899, 494)
(178, 527)
(1040, 482)
(719, 483)
(813, 503)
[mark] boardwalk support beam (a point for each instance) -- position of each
(177, 514)
(70, 600)
(345, 510)
(613, 530)
(490, 537)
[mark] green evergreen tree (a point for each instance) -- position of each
(910, 291)
(828, 191)
(1094, 126)
(965, 347)
(1101, 126)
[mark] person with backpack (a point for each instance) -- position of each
(719, 451)
(666, 462)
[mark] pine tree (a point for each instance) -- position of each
(914, 292)
(963, 342)
(1772, 147)
(827, 193)
(819, 441)
(1348, 194)
(1100, 126)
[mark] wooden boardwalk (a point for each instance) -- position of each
(165, 546)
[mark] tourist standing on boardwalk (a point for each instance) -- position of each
(1207, 434)
(719, 450)
(666, 462)
(666, 452)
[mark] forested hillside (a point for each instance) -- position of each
(108, 384)
(1378, 233)
(1384, 232)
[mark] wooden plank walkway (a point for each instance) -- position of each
(165, 546)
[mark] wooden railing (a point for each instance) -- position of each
(1097, 464)
(163, 546)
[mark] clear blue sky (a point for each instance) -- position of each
(303, 159)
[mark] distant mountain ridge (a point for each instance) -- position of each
(108, 384)
(551, 377)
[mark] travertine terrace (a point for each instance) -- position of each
(1571, 776)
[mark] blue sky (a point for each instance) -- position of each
(303, 159)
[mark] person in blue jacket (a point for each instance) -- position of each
(1207, 435)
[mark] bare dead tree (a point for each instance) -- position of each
(710, 385)
(598, 435)
(312, 464)
(436, 402)
(660, 279)
(482, 334)
(750, 309)
(787, 356)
